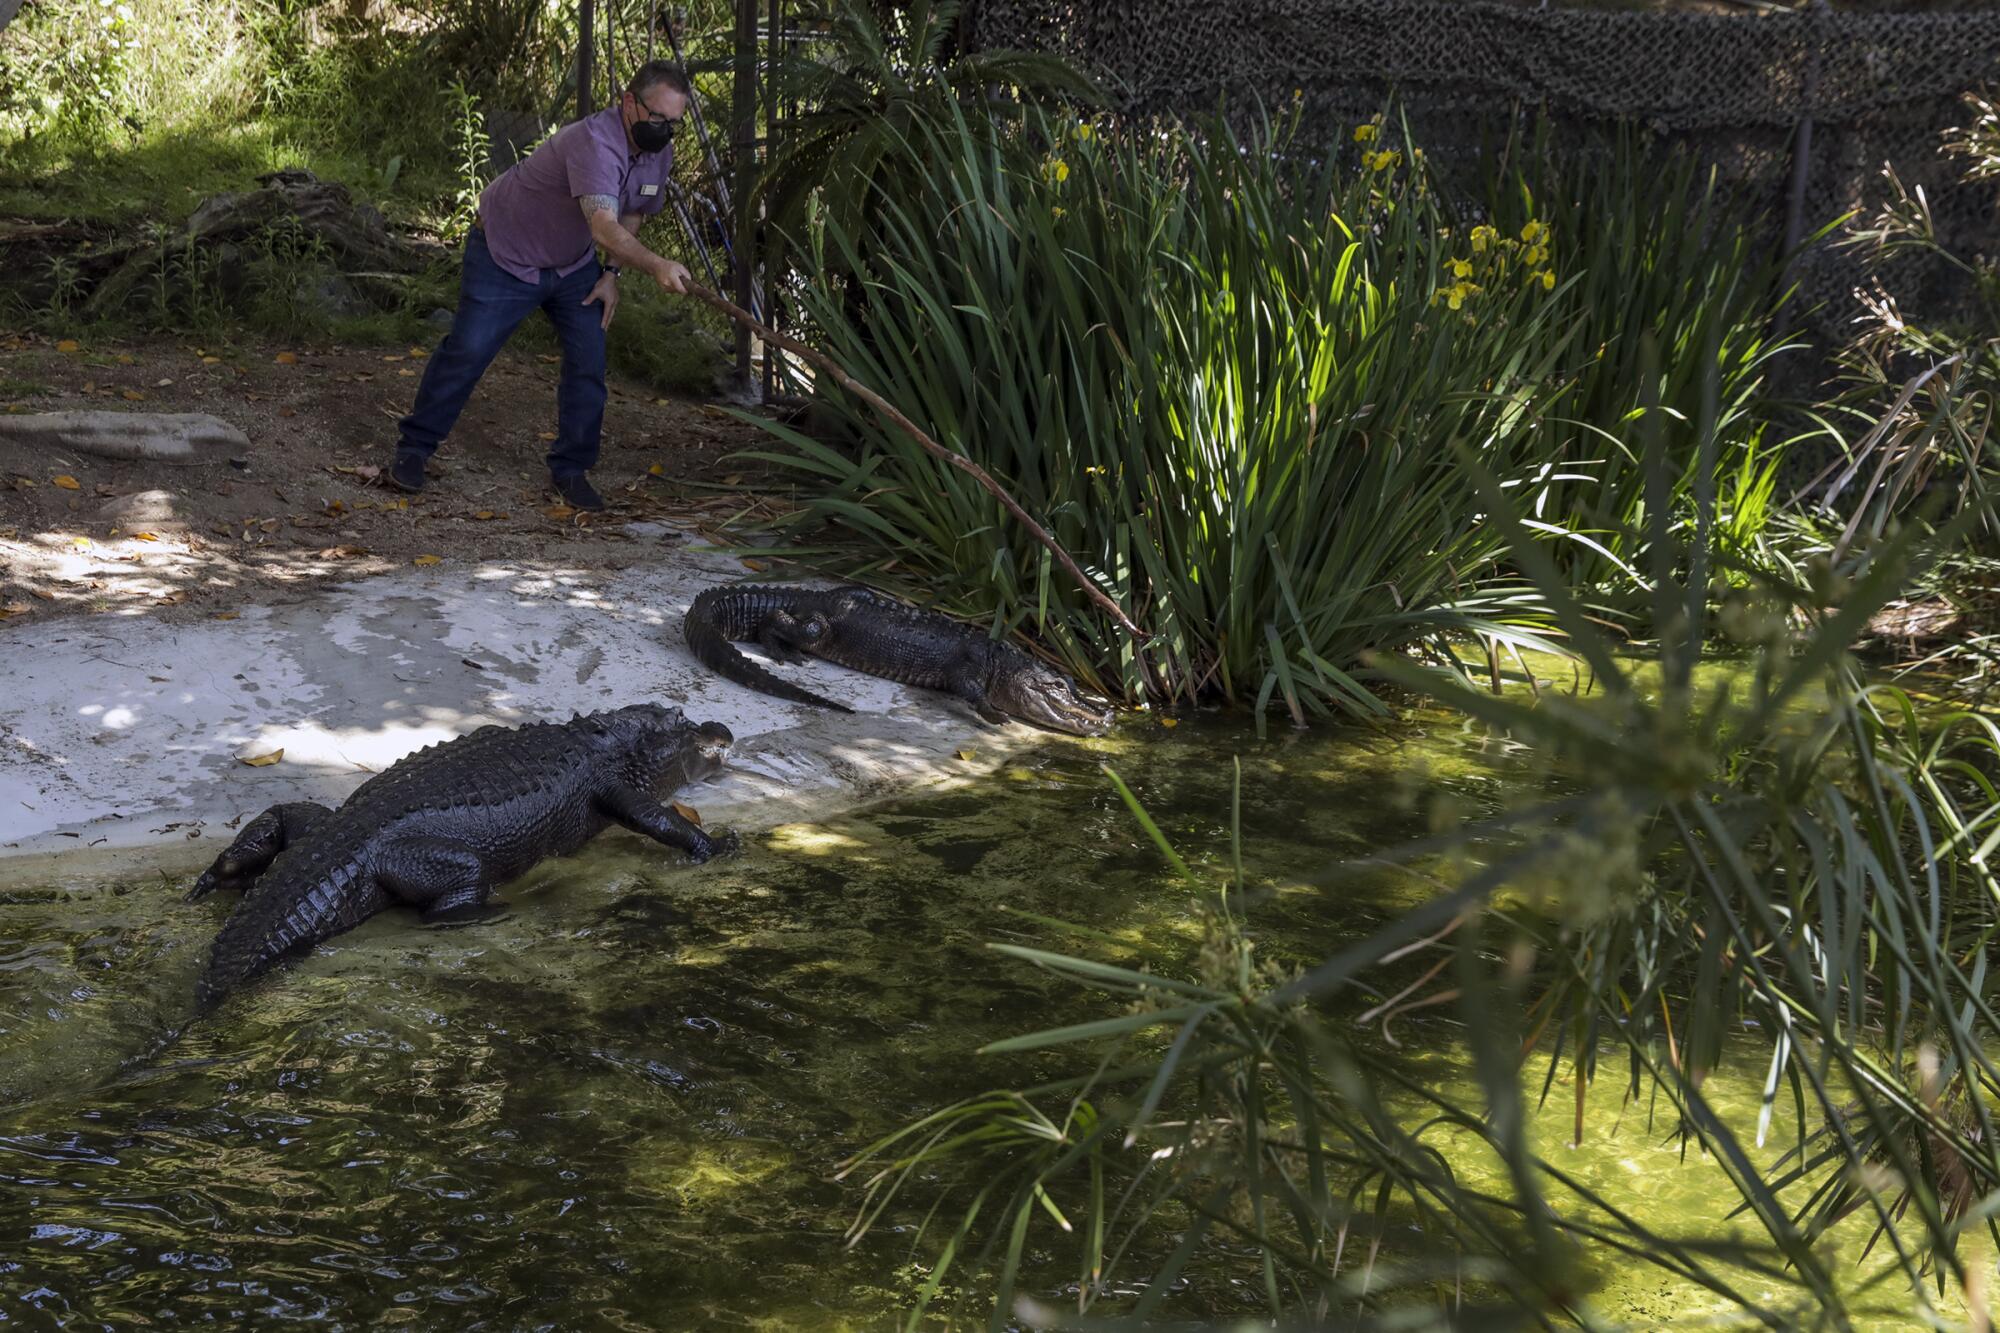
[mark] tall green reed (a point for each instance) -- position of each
(1651, 244)
(1234, 379)
(1224, 387)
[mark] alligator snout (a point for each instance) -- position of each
(1050, 701)
(711, 746)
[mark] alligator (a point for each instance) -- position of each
(868, 631)
(438, 830)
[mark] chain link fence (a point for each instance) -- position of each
(1875, 90)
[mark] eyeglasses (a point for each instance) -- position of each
(657, 118)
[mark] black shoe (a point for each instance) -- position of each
(578, 493)
(407, 473)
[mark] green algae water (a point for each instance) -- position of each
(620, 1104)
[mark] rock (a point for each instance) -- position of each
(440, 317)
(293, 216)
(153, 437)
(142, 509)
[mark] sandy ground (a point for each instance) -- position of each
(305, 505)
(183, 646)
(126, 732)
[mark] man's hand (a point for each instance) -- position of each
(606, 293)
(672, 276)
(624, 248)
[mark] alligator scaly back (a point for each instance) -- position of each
(721, 615)
(309, 897)
(440, 829)
(868, 631)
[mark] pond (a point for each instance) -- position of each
(620, 1104)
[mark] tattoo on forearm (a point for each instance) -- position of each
(593, 204)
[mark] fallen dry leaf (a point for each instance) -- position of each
(392, 358)
(687, 812)
(657, 470)
(223, 615)
(261, 760)
(367, 472)
(125, 360)
(550, 359)
(964, 754)
(419, 353)
(211, 361)
(286, 358)
(547, 435)
(44, 594)
(272, 524)
(341, 553)
(161, 384)
(559, 511)
(65, 481)
(755, 566)
(134, 396)
(486, 514)
(145, 537)
(69, 346)
(288, 411)
(1170, 722)
(174, 598)
(428, 560)
(13, 609)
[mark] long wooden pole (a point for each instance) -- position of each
(817, 358)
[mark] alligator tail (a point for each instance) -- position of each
(718, 615)
(281, 918)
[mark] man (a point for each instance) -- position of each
(591, 184)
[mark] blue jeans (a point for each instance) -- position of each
(491, 305)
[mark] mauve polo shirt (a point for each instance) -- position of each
(530, 213)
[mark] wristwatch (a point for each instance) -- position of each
(612, 269)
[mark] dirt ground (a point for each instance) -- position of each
(83, 535)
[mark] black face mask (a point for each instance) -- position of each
(651, 137)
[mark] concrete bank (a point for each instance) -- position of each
(119, 734)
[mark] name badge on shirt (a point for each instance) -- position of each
(648, 191)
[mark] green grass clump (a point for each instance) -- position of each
(1237, 377)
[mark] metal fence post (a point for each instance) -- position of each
(1802, 144)
(774, 26)
(744, 138)
(586, 61)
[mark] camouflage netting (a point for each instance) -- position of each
(1879, 88)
